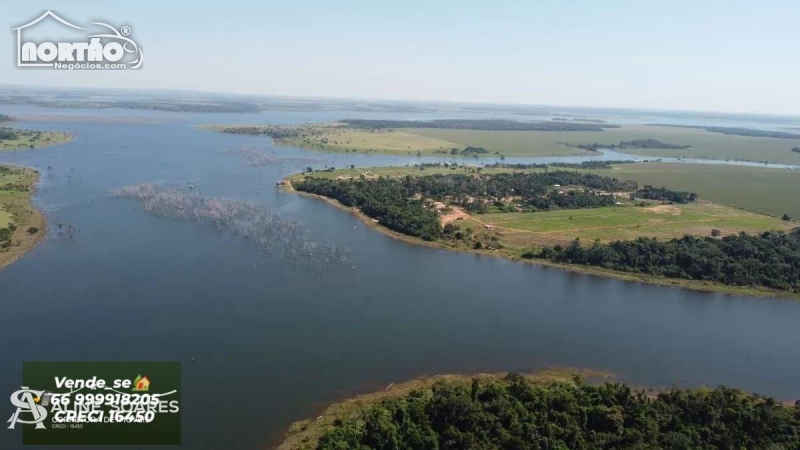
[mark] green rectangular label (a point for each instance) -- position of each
(104, 403)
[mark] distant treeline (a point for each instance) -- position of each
(635, 143)
(273, 131)
(171, 106)
(796, 149)
(5, 118)
(735, 131)
(770, 259)
(663, 194)
(515, 413)
(580, 165)
(477, 124)
(578, 119)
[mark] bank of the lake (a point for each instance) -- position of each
(28, 139)
(305, 434)
(695, 285)
(25, 224)
(552, 408)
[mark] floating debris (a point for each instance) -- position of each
(281, 237)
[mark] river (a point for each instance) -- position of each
(272, 343)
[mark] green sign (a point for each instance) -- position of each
(106, 403)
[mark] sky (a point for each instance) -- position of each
(709, 55)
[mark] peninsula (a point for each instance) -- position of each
(572, 217)
(555, 408)
(22, 226)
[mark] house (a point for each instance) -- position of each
(141, 383)
(32, 62)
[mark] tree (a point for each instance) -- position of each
(786, 217)
(352, 166)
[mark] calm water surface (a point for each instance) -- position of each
(275, 343)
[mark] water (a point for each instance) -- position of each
(275, 344)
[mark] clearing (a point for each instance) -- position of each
(625, 222)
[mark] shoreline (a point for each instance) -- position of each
(302, 432)
(305, 433)
(693, 285)
(69, 137)
(38, 219)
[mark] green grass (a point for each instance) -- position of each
(5, 216)
(44, 139)
(703, 144)
(340, 139)
(768, 191)
(626, 222)
(16, 208)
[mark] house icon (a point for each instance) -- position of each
(19, 29)
(141, 384)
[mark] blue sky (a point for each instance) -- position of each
(734, 56)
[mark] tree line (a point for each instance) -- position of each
(770, 259)
(735, 131)
(477, 124)
(515, 413)
(635, 143)
(663, 194)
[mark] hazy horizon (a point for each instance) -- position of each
(716, 57)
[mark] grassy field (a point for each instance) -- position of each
(768, 191)
(703, 144)
(16, 208)
(30, 138)
(524, 230)
(339, 139)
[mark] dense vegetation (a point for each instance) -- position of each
(770, 259)
(736, 131)
(663, 194)
(477, 124)
(514, 413)
(6, 234)
(385, 199)
(5, 118)
(398, 204)
(796, 149)
(469, 151)
(581, 165)
(8, 133)
(635, 143)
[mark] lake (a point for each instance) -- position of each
(273, 343)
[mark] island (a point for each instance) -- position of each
(22, 226)
(573, 218)
(555, 408)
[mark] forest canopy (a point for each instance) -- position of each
(770, 259)
(516, 413)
